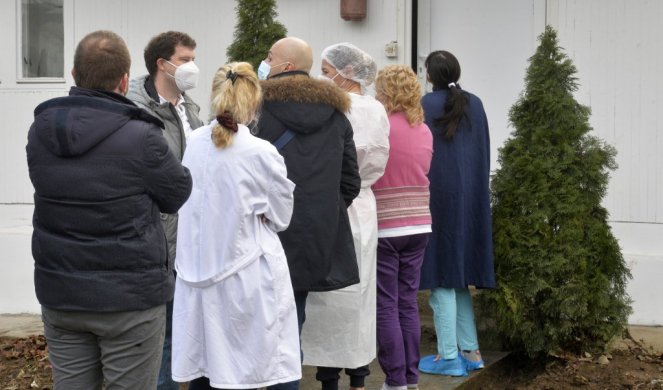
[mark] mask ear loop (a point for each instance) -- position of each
(171, 64)
(286, 65)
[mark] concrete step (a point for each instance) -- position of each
(426, 381)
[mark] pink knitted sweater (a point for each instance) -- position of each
(402, 192)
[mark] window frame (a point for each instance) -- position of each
(20, 78)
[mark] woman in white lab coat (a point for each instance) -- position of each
(234, 318)
(340, 327)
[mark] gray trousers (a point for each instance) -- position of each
(122, 348)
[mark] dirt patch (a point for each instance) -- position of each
(632, 368)
(24, 364)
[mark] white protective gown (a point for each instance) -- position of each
(234, 316)
(339, 330)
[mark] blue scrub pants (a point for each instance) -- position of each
(454, 321)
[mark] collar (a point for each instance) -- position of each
(290, 73)
(151, 90)
(80, 91)
(99, 99)
(180, 100)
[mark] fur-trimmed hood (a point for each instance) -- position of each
(301, 103)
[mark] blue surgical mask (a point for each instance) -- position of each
(265, 68)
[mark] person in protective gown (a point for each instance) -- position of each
(340, 331)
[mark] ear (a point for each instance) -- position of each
(428, 77)
(73, 74)
(161, 64)
(123, 88)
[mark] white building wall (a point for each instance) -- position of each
(613, 43)
(615, 46)
(210, 22)
(492, 41)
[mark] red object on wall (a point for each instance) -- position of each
(354, 10)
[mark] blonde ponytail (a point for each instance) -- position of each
(236, 96)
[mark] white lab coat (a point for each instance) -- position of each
(339, 330)
(234, 316)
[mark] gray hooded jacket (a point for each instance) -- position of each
(144, 94)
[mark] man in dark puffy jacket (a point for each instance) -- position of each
(304, 119)
(102, 172)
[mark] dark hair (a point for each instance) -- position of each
(444, 71)
(163, 46)
(101, 60)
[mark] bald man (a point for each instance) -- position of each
(304, 118)
(286, 55)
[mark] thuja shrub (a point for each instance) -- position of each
(255, 32)
(560, 272)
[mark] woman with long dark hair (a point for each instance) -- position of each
(460, 249)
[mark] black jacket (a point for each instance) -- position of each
(322, 162)
(102, 172)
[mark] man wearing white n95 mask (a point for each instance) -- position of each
(169, 59)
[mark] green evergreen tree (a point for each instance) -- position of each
(560, 272)
(255, 32)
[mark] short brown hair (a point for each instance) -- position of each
(163, 46)
(101, 60)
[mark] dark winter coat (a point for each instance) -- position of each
(322, 162)
(460, 248)
(102, 172)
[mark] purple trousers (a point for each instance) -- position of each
(398, 330)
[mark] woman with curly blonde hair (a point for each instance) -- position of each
(404, 224)
(234, 317)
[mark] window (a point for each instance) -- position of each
(42, 41)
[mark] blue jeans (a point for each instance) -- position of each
(165, 380)
(300, 303)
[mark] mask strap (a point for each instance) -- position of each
(173, 65)
(287, 62)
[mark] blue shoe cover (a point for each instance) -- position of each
(470, 365)
(452, 367)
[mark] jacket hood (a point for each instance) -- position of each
(72, 125)
(143, 92)
(137, 92)
(301, 103)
